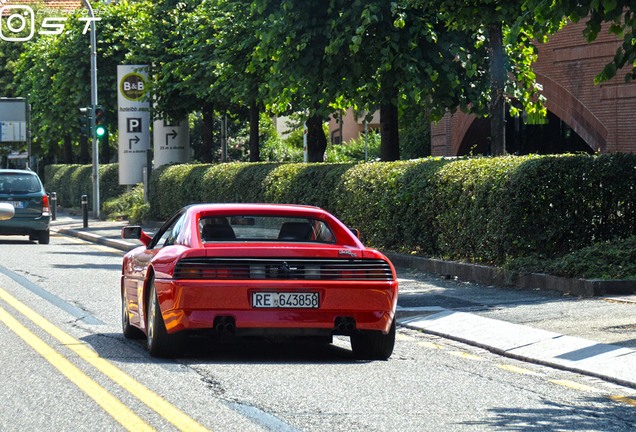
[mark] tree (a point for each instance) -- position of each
(510, 54)
(292, 38)
(236, 47)
(402, 55)
(55, 71)
(182, 63)
(49, 71)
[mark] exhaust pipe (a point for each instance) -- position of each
(224, 324)
(344, 325)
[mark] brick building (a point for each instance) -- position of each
(582, 116)
(64, 5)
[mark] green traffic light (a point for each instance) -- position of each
(100, 122)
(100, 131)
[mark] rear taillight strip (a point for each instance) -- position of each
(238, 269)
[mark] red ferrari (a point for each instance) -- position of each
(257, 270)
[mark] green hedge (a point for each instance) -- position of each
(478, 209)
(489, 210)
(70, 182)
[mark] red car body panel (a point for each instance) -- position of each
(194, 303)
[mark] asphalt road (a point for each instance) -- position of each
(430, 383)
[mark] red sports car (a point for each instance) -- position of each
(257, 270)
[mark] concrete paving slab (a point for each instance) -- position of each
(609, 362)
(499, 336)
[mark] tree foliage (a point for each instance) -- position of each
(301, 56)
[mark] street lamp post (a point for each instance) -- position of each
(94, 102)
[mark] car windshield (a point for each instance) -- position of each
(18, 183)
(264, 228)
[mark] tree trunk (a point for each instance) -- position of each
(390, 141)
(254, 133)
(68, 149)
(104, 149)
(497, 103)
(84, 155)
(207, 129)
(316, 139)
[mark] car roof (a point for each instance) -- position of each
(16, 171)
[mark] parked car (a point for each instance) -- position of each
(25, 192)
(257, 270)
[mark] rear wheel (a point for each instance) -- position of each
(373, 345)
(44, 237)
(158, 341)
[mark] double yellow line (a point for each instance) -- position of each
(113, 406)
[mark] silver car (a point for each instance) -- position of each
(25, 192)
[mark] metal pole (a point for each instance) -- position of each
(84, 204)
(224, 138)
(94, 103)
(28, 133)
(53, 206)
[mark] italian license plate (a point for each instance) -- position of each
(17, 204)
(304, 300)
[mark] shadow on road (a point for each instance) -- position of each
(203, 349)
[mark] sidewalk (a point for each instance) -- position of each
(610, 362)
(107, 233)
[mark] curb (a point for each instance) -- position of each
(95, 238)
(488, 275)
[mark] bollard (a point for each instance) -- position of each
(53, 206)
(85, 210)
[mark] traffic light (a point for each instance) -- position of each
(100, 122)
(85, 121)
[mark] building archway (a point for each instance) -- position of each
(555, 136)
(568, 128)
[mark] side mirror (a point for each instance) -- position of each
(134, 232)
(7, 211)
(355, 231)
(131, 232)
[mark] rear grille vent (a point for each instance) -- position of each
(294, 269)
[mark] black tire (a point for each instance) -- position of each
(44, 237)
(373, 345)
(158, 341)
(129, 330)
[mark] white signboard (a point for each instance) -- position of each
(133, 122)
(13, 131)
(13, 119)
(171, 142)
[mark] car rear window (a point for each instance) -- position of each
(264, 228)
(18, 183)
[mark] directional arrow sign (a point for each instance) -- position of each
(172, 135)
(172, 142)
(134, 140)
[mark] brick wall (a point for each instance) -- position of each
(603, 115)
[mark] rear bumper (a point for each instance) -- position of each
(194, 305)
(25, 226)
